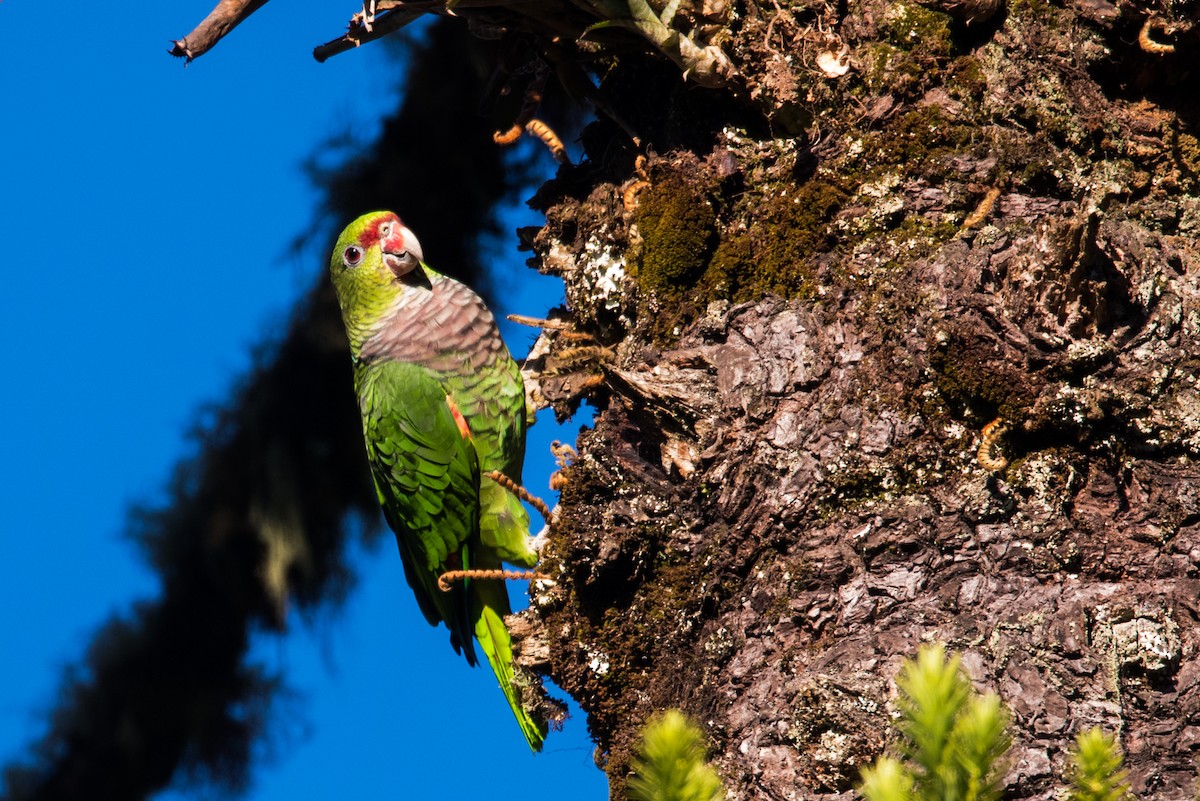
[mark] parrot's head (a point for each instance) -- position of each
(376, 261)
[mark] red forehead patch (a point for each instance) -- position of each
(370, 234)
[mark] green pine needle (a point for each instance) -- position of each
(671, 766)
(953, 737)
(887, 780)
(932, 694)
(1097, 772)
(978, 741)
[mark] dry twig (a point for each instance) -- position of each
(227, 15)
(383, 24)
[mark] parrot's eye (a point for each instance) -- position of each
(352, 255)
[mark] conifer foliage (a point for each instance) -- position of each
(952, 738)
(671, 765)
(1098, 768)
(954, 741)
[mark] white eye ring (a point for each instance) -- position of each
(352, 256)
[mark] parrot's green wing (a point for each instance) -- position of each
(488, 388)
(427, 476)
(426, 472)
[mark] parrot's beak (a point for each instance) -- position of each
(401, 263)
(401, 250)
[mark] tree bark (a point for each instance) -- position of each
(883, 230)
(895, 229)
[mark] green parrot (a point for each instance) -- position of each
(443, 405)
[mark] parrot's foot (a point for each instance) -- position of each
(523, 494)
(585, 355)
(451, 576)
(565, 366)
(590, 358)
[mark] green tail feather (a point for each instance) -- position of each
(495, 643)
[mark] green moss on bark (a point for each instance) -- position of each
(975, 381)
(677, 226)
(775, 256)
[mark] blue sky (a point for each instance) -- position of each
(133, 294)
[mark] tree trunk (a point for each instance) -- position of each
(893, 337)
(802, 321)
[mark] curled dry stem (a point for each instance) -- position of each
(989, 437)
(982, 210)
(549, 138)
(450, 576)
(1146, 36)
(523, 494)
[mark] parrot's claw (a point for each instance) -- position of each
(586, 348)
(585, 358)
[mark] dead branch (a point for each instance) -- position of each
(357, 34)
(227, 15)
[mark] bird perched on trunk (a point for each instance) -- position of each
(443, 411)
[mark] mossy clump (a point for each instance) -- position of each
(920, 139)
(678, 228)
(913, 42)
(913, 27)
(970, 381)
(880, 63)
(775, 256)
(919, 237)
(966, 79)
(683, 267)
(1188, 149)
(1032, 10)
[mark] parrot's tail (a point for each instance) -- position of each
(492, 634)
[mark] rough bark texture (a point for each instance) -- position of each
(829, 286)
(883, 227)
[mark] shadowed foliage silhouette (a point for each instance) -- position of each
(256, 522)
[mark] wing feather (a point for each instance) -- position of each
(427, 477)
